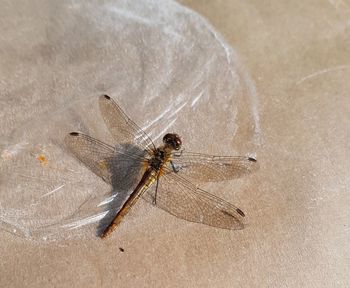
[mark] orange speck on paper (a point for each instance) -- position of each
(42, 159)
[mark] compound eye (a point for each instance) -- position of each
(167, 139)
(172, 140)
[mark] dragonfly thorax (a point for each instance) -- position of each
(158, 158)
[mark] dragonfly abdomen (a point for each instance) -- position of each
(147, 180)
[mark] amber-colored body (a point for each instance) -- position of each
(161, 156)
(146, 181)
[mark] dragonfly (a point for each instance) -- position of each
(168, 176)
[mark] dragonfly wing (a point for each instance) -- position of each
(105, 161)
(122, 128)
(208, 168)
(184, 200)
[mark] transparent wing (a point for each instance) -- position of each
(208, 168)
(105, 161)
(184, 200)
(122, 128)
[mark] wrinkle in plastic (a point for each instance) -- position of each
(164, 64)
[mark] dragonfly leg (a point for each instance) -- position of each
(155, 194)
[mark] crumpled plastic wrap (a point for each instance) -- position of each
(164, 64)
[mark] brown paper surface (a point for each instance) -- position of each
(289, 107)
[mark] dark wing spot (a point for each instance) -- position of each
(252, 159)
(240, 212)
(74, 133)
(107, 97)
(121, 249)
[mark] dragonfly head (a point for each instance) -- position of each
(172, 140)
